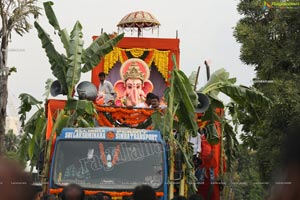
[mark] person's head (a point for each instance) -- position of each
(101, 76)
(149, 96)
(155, 102)
(144, 192)
(15, 183)
(72, 192)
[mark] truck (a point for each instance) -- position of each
(123, 150)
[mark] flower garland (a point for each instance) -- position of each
(103, 157)
(111, 193)
(103, 121)
(160, 58)
(122, 115)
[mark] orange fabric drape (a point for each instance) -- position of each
(49, 122)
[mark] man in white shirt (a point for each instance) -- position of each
(105, 89)
(196, 144)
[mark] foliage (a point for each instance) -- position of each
(245, 181)
(269, 40)
(11, 141)
(67, 69)
(32, 140)
(240, 97)
(14, 18)
(12, 146)
(179, 114)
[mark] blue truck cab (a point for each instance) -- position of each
(109, 160)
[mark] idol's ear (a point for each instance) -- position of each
(120, 88)
(147, 87)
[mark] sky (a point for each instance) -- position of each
(205, 29)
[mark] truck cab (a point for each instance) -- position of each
(109, 160)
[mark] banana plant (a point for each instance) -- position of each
(240, 97)
(33, 137)
(179, 114)
(67, 68)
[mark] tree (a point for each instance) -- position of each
(240, 96)
(14, 17)
(11, 141)
(245, 181)
(269, 39)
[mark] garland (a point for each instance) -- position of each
(160, 58)
(103, 157)
(111, 193)
(119, 116)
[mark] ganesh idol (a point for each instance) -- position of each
(134, 86)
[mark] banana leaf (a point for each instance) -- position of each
(57, 61)
(63, 34)
(186, 110)
(81, 106)
(215, 81)
(27, 101)
(75, 52)
(231, 144)
(98, 49)
(49, 82)
(62, 123)
(50, 15)
(243, 95)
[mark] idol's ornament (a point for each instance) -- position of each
(134, 86)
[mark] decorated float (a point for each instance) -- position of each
(136, 66)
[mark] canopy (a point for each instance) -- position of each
(139, 20)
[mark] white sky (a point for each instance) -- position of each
(205, 31)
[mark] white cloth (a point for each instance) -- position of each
(141, 105)
(106, 89)
(196, 144)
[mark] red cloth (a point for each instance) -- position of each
(208, 154)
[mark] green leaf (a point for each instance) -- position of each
(27, 101)
(65, 39)
(215, 81)
(231, 144)
(156, 120)
(57, 61)
(186, 110)
(51, 15)
(244, 95)
(98, 49)
(63, 122)
(31, 147)
(82, 122)
(75, 52)
(212, 135)
(49, 82)
(80, 106)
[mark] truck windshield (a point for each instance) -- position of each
(108, 164)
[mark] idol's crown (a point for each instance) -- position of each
(134, 72)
